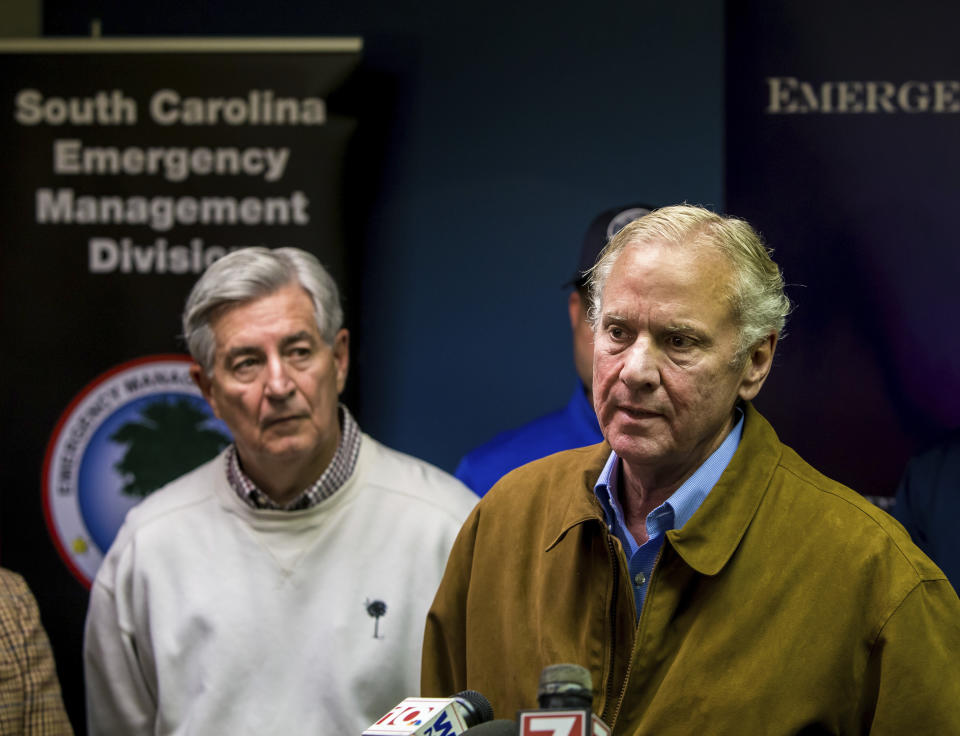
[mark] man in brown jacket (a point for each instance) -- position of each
(710, 580)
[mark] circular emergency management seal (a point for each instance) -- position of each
(130, 431)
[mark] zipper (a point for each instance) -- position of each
(613, 631)
(615, 559)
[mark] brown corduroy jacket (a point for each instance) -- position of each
(787, 604)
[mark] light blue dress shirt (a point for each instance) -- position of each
(671, 514)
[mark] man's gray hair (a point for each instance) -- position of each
(250, 273)
(760, 306)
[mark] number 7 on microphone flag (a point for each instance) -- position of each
(560, 722)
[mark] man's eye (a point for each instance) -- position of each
(680, 342)
(299, 353)
(244, 366)
(615, 332)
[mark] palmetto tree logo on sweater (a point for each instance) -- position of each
(376, 609)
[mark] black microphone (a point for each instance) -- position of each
(565, 686)
(473, 707)
(565, 695)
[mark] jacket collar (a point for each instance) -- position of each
(708, 540)
(581, 505)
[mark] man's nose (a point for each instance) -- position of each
(279, 384)
(641, 366)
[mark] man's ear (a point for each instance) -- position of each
(204, 383)
(757, 367)
(341, 357)
(576, 308)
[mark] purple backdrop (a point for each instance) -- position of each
(842, 132)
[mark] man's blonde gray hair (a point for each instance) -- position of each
(759, 303)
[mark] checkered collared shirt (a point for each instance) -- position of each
(336, 474)
(30, 698)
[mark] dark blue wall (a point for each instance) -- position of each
(493, 133)
(508, 126)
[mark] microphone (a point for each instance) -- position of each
(565, 686)
(565, 695)
(434, 716)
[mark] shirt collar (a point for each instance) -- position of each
(708, 540)
(682, 503)
(341, 467)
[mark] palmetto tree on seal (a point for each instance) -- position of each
(168, 439)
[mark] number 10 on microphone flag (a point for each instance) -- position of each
(420, 716)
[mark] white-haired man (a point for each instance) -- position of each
(710, 580)
(280, 588)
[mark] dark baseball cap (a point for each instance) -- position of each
(604, 226)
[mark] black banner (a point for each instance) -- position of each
(129, 166)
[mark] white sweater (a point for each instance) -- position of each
(210, 617)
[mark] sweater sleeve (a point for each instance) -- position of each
(443, 666)
(913, 666)
(119, 696)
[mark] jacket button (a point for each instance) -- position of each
(639, 579)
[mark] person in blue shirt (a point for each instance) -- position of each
(575, 425)
(928, 504)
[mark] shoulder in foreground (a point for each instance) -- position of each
(403, 474)
(852, 518)
(161, 507)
